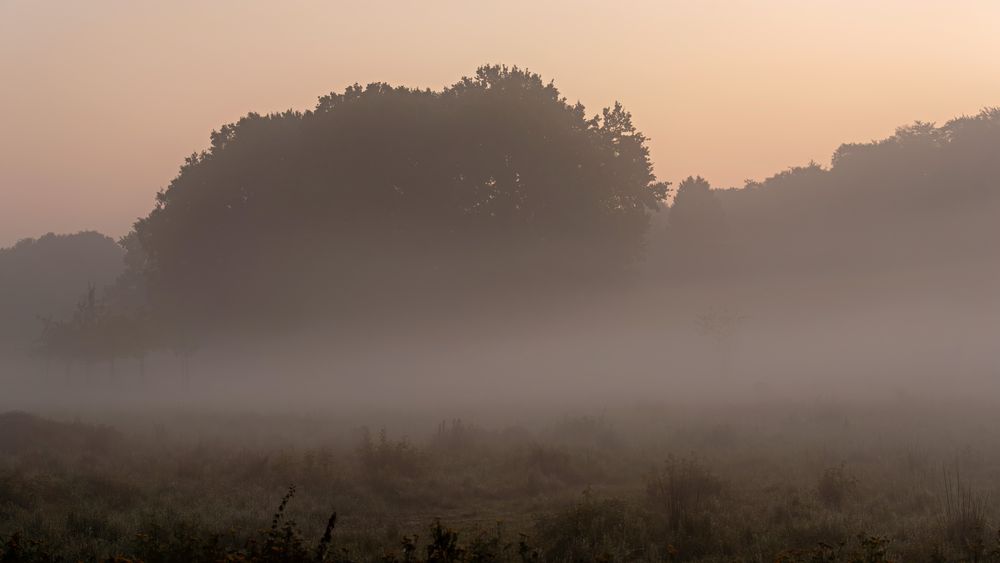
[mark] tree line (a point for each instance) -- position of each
(391, 200)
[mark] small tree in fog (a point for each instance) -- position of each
(76, 339)
(94, 333)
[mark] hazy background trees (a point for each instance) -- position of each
(392, 207)
(45, 277)
(921, 199)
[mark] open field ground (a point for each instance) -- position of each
(818, 481)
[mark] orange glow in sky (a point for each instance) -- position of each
(100, 101)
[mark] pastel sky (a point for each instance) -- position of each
(100, 100)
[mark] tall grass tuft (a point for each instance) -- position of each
(963, 516)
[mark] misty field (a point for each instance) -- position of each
(468, 318)
(816, 481)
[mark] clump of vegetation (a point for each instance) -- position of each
(835, 486)
(17, 549)
(388, 464)
(596, 530)
(864, 549)
(682, 490)
(455, 435)
(444, 547)
(963, 518)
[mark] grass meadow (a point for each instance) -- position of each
(810, 482)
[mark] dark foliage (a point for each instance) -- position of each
(386, 196)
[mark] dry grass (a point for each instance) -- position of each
(578, 489)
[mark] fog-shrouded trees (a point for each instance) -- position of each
(97, 331)
(494, 191)
(927, 197)
(697, 231)
(384, 196)
(44, 277)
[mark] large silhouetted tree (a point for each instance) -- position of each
(386, 195)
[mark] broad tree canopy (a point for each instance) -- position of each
(387, 192)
